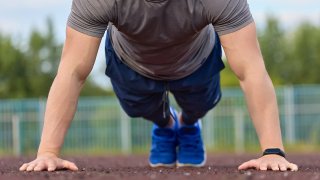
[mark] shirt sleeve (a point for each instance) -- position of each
(228, 16)
(91, 17)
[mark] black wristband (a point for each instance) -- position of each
(276, 151)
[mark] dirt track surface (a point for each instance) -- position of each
(136, 167)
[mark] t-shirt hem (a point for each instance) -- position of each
(221, 33)
(89, 33)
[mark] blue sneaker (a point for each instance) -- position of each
(191, 151)
(164, 143)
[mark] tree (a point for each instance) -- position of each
(13, 71)
(274, 49)
(304, 59)
(30, 72)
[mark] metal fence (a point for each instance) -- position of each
(100, 126)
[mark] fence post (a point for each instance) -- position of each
(41, 114)
(16, 135)
(209, 130)
(289, 114)
(125, 129)
(239, 131)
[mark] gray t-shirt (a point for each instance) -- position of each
(160, 39)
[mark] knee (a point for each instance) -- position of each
(140, 110)
(201, 108)
(133, 112)
(207, 104)
(213, 101)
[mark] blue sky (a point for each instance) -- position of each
(18, 17)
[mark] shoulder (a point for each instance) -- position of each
(227, 15)
(215, 8)
(95, 8)
(215, 5)
(92, 16)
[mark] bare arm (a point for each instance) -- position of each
(244, 56)
(77, 60)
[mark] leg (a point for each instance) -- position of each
(199, 92)
(139, 96)
(196, 94)
(150, 106)
(146, 105)
(143, 97)
(196, 102)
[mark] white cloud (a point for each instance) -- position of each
(9, 26)
(287, 19)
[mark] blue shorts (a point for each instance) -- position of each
(140, 96)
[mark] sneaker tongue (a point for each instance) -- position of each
(164, 132)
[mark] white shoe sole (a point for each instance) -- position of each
(162, 165)
(192, 165)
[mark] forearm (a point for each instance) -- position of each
(60, 110)
(263, 108)
(246, 61)
(77, 60)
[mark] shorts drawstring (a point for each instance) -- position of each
(165, 99)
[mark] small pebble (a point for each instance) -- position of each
(187, 174)
(153, 176)
(315, 177)
(160, 171)
(262, 176)
(249, 173)
(198, 173)
(285, 174)
(209, 168)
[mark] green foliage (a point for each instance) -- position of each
(29, 71)
(291, 56)
(12, 70)
(305, 55)
(228, 78)
(274, 49)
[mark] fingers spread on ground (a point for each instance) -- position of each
(247, 165)
(69, 165)
(242, 166)
(41, 166)
(31, 167)
(263, 167)
(274, 167)
(23, 167)
(283, 167)
(51, 166)
(293, 167)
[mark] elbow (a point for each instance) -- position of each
(256, 73)
(80, 76)
(73, 75)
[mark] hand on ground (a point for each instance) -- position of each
(269, 162)
(48, 162)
